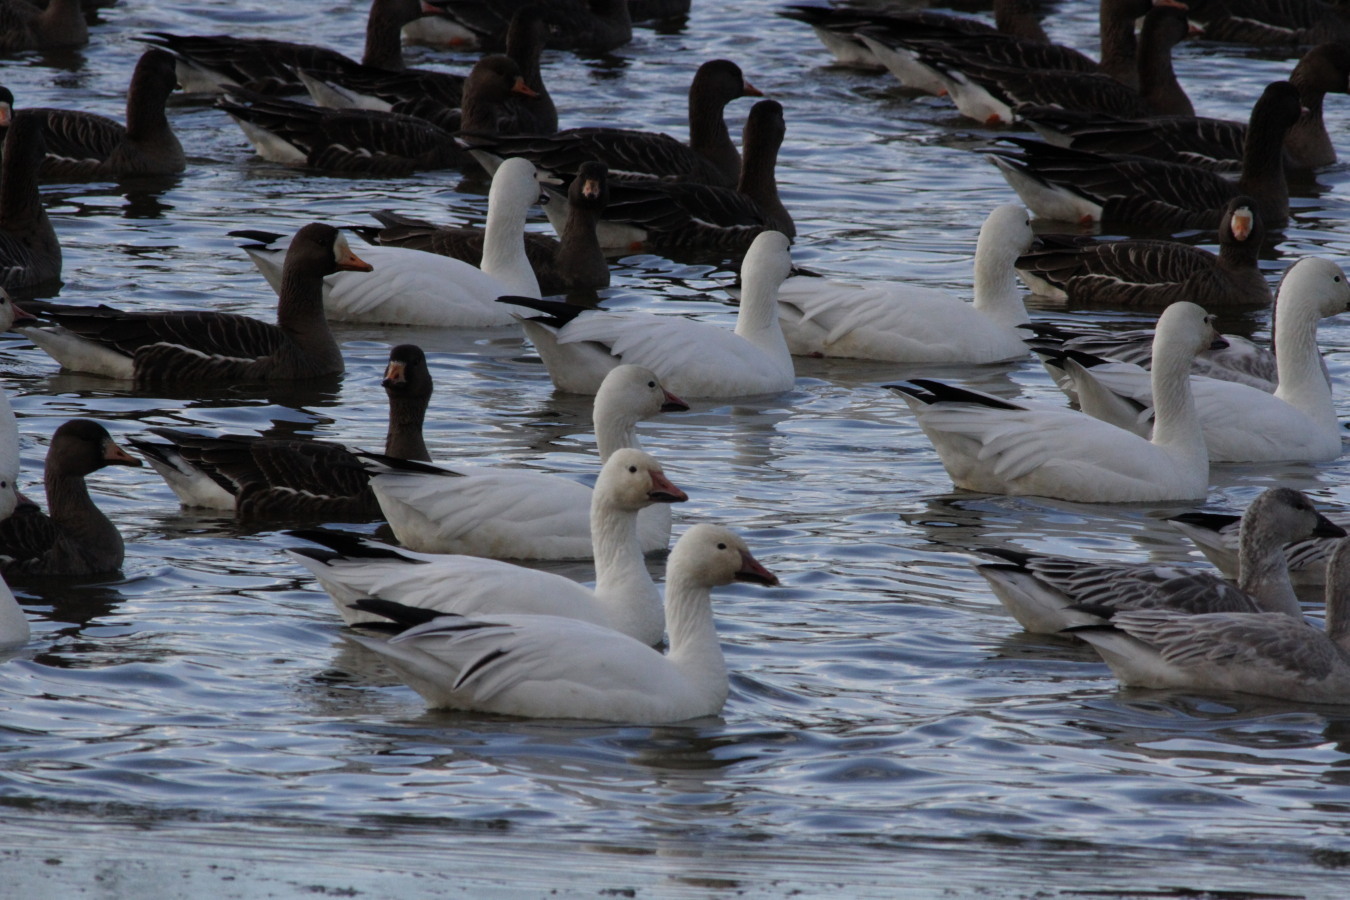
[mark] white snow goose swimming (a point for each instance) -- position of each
(1212, 143)
(30, 254)
(990, 90)
(1267, 654)
(995, 446)
(902, 322)
(572, 262)
(1155, 273)
(86, 145)
(585, 26)
(837, 27)
(75, 538)
(1218, 535)
(212, 63)
(685, 214)
(692, 358)
(709, 158)
(437, 96)
(1077, 186)
(1272, 24)
(24, 26)
(1243, 423)
(624, 597)
(290, 478)
(1047, 594)
(204, 347)
(411, 287)
(517, 513)
(366, 141)
(551, 667)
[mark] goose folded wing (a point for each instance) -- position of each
(1268, 640)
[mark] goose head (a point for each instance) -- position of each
(1005, 235)
(82, 446)
(632, 480)
(10, 312)
(1314, 283)
(515, 187)
(156, 74)
(590, 188)
(632, 393)
(719, 81)
(1241, 223)
(767, 264)
(710, 555)
(1282, 515)
(406, 374)
(318, 250)
(1184, 329)
(1276, 110)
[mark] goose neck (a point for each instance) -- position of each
(1118, 46)
(1298, 364)
(405, 439)
(1158, 83)
(620, 570)
(75, 515)
(614, 431)
(504, 246)
(1263, 572)
(384, 39)
(708, 135)
(996, 292)
(1176, 423)
(580, 257)
(692, 633)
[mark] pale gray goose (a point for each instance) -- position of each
(30, 254)
(368, 141)
(1155, 273)
(275, 478)
(24, 26)
(709, 158)
(575, 262)
(205, 347)
(837, 26)
(991, 92)
(1267, 654)
(1047, 594)
(684, 214)
(87, 145)
(1077, 186)
(586, 26)
(437, 96)
(1212, 143)
(1272, 24)
(212, 63)
(75, 538)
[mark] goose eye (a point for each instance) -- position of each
(721, 546)
(1336, 278)
(651, 384)
(632, 468)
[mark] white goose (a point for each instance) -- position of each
(907, 323)
(519, 513)
(692, 359)
(994, 446)
(1047, 594)
(624, 598)
(1267, 654)
(1243, 423)
(417, 288)
(556, 668)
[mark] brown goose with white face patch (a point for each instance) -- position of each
(203, 347)
(294, 479)
(1153, 274)
(74, 538)
(709, 158)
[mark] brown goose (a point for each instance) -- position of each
(990, 91)
(1076, 186)
(212, 63)
(838, 26)
(203, 347)
(586, 26)
(1213, 143)
(576, 262)
(1285, 23)
(369, 142)
(260, 477)
(87, 145)
(437, 96)
(75, 537)
(30, 254)
(1154, 274)
(709, 158)
(24, 26)
(685, 214)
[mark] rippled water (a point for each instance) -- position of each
(198, 727)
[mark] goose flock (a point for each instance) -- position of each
(441, 593)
